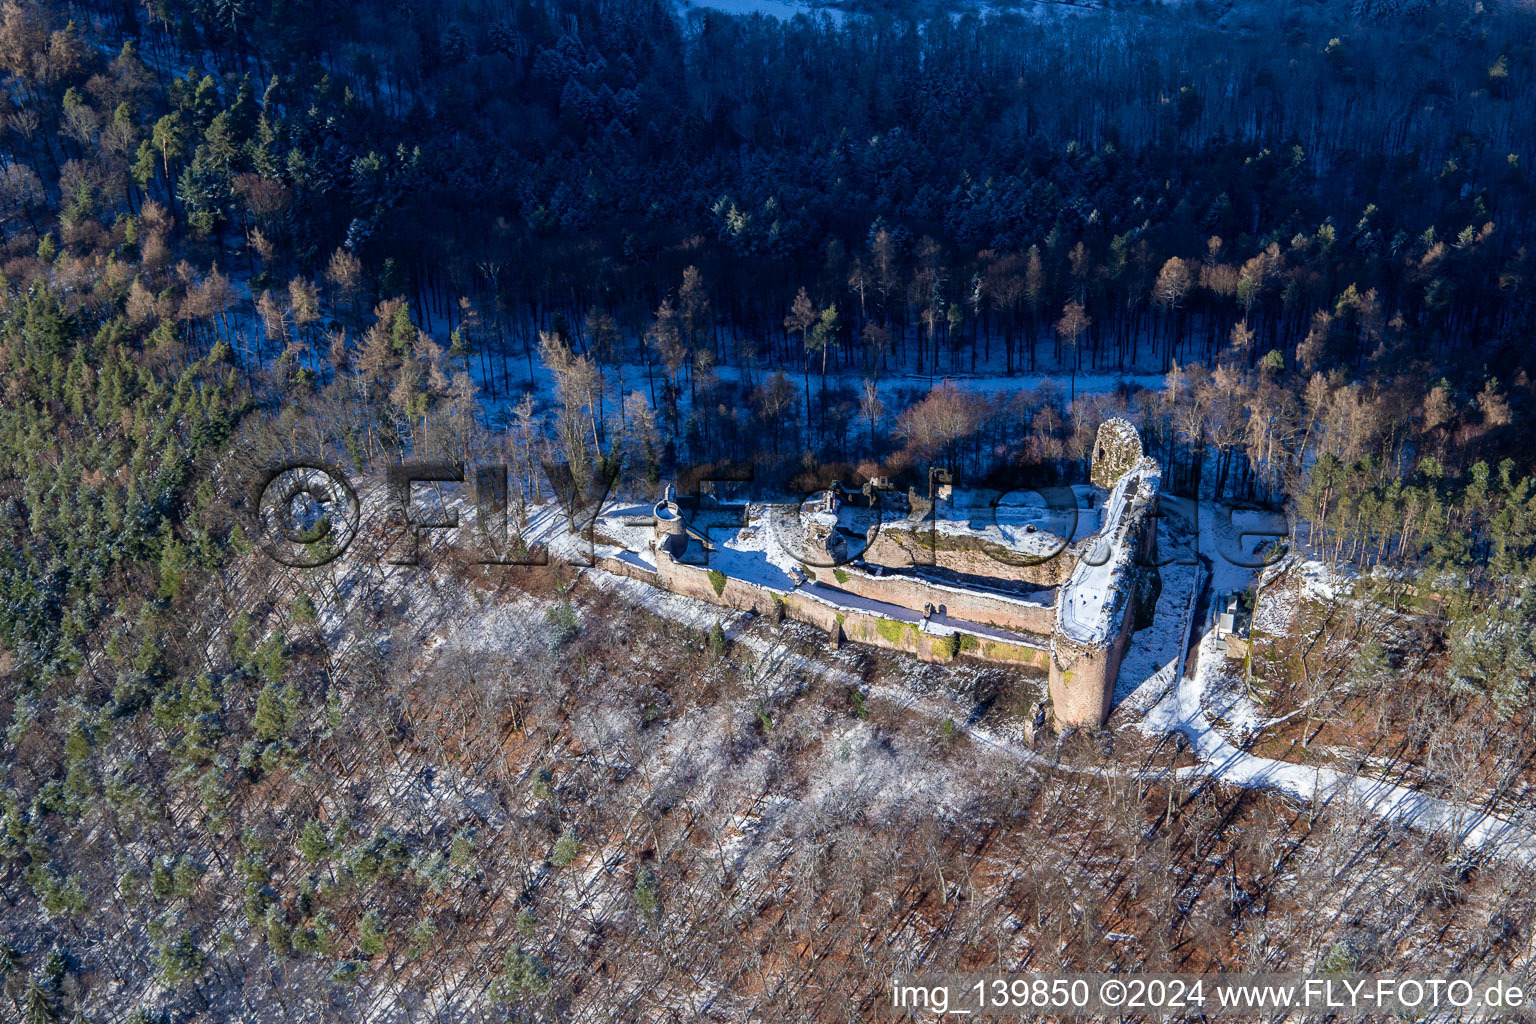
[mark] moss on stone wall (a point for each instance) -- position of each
(994, 650)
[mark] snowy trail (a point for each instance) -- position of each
(1182, 711)
(1171, 701)
(897, 387)
(1153, 685)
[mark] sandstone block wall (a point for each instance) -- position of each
(906, 543)
(1116, 450)
(695, 581)
(1082, 678)
(1037, 617)
(619, 567)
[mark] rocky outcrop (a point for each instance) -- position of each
(1116, 451)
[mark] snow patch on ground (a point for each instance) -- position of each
(1285, 586)
(1155, 654)
(1320, 582)
(1188, 708)
(1020, 520)
(1227, 700)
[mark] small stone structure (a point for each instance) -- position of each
(822, 543)
(1233, 625)
(1116, 450)
(670, 532)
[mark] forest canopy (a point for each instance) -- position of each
(1293, 243)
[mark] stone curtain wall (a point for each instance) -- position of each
(1037, 617)
(1083, 675)
(619, 567)
(694, 581)
(905, 544)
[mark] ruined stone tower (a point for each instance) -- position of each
(670, 532)
(1116, 449)
(1097, 608)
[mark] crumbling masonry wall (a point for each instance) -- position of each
(1083, 674)
(1014, 613)
(846, 623)
(908, 543)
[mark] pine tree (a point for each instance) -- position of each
(40, 1004)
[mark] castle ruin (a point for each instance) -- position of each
(1110, 593)
(1055, 579)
